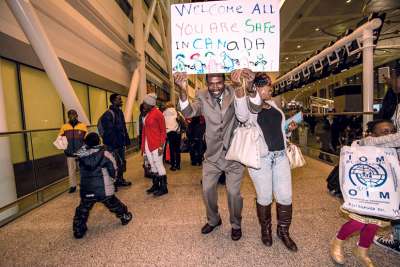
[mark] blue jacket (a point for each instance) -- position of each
(115, 132)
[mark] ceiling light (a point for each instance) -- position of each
(298, 46)
(348, 1)
(317, 29)
(286, 58)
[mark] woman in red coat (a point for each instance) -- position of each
(153, 140)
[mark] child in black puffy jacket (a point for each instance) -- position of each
(98, 170)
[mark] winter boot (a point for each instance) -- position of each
(264, 217)
(155, 186)
(284, 213)
(362, 256)
(163, 187)
(336, 252)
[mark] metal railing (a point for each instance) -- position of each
(321, 135)
(40, 170)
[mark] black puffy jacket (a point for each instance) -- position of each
(97, 168)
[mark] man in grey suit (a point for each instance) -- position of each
(216, 104)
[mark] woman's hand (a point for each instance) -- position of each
(235, 78)
(240, 76)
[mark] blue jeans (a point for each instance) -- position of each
(273, 177)
(396, 230)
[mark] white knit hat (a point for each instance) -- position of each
(150, 99)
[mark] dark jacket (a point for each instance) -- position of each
(97, 169)
(75, 133)
(141, 116)
(389, 104)
(115, 132)
(196, 129)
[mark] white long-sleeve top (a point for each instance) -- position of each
(170, 116)
(244, 114)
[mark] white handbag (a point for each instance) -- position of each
(245, 146)
(61, 142)
(295, 156)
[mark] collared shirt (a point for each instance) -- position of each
(185, 104)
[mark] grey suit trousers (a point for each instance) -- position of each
(234, 173)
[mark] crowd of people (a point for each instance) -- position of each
(209, 122)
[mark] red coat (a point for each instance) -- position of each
(154, 130)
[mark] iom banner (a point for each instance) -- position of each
(221, 36)
(369, 181)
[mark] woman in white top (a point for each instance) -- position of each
(173, 136)
(274, 177)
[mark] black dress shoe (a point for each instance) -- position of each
(72, 189)
(236, 234)
(122, 183)
(209, 228)
(172, 168)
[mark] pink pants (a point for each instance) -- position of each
(367, 232)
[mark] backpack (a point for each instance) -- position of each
(100, 127)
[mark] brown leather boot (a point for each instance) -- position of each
(284, 213)
(264, 217)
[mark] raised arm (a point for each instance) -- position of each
(243, 80)
(390, 140)
(188, 109)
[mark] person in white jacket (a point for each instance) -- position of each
(274, 176)
(173, 136)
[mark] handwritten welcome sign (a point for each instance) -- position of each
(220, 36)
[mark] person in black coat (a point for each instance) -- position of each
(98, 169)
(115, 136)
(195, 134)
(390, 106)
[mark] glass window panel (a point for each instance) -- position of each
(108, 98)
(82, 94)
(43, 110)
(13, 109)
(42, 105)
(98, 103)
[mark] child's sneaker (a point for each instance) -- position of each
(388, 243)
(126, 218)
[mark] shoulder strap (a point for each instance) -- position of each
(112, 114)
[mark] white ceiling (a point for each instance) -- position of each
(300, 20)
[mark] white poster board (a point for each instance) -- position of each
(220, 36)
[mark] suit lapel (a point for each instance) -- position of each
(211, 101)
(227, 100)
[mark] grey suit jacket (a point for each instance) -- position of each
(220, 123)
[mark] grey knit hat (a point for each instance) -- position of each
(150, 99)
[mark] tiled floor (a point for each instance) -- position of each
(166, 230)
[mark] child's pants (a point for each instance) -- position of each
(367, 232)
(82, 211)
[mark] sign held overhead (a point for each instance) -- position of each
(221, 36)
